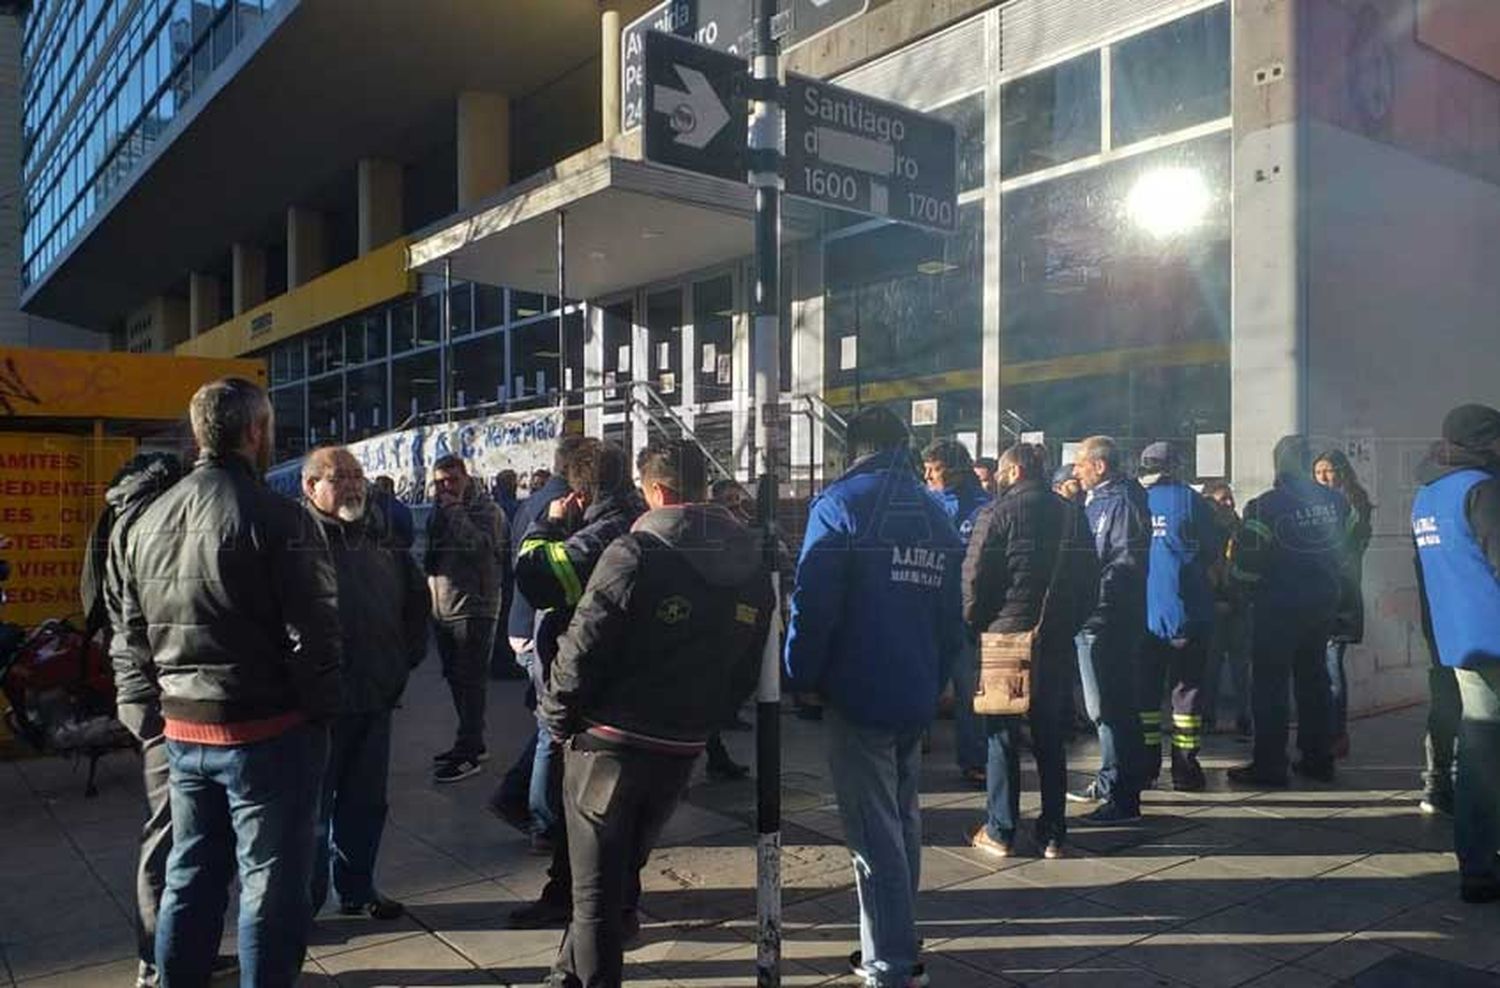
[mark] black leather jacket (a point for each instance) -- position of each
(229, 601)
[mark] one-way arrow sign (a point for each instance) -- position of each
(697, 109)
(697, 115)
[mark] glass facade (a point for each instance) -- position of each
(102, 81)
(372, 371)
(1111, 287)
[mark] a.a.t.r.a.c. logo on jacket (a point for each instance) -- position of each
(1425, 530)
(918, 565)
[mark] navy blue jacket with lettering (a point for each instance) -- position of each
(1455, 520)
(876, 614)
(1184, 543)
(1290, 550)
(1121, 525)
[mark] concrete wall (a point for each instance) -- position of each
(1401, 308)
(1400, 200)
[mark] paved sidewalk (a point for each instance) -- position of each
(1304, 887)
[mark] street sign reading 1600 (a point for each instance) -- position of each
(848, 150)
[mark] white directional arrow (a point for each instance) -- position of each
(698, 114)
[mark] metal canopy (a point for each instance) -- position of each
(629, 223)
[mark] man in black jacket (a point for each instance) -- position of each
(558, 555)
(467, 562)
(228, 603)
(383, 608)
(137, 700)
(1030, 565)
(666, 640)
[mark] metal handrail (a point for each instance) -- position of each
(654, 394)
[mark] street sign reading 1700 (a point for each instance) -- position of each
(849, 150)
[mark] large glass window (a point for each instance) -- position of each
(619, 356)
(664, 343)
(325, 410)
(534, 356)
(1116, 288)
(415, 386)
(713, 338)
(1050, 117)
(463, 309)
(478, 371)
(967, 117)
(904, 303)
(489, 307)
(368, 412)
(1172, 77)
(291, 422)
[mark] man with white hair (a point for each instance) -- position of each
(383, 607)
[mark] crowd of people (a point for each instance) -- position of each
(260, 647)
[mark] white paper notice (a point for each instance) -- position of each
(969, 441)
(1034, 438)
(609, 384)
(924, 411)
(668, 382)
(622, 359)
(726, 369)
(520, 387)
(1070, 453)
(849, 353)
(462, 399)
(663, 355)
(541, 382)
(567, 379)
(710, 358)
(1211, 454)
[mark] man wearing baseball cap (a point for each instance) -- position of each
(1179, 614)
(1455, 520)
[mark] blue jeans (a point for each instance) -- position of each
(875, 780)
(1107, 664)
(1051, 710)
(546, 774)
(254, 807)
(353, 813)
(968, 727)
(1290, 645)
(1338, 689)
(1476, 797)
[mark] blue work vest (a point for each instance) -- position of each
(1463, 593)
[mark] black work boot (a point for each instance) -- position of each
(1187, 774)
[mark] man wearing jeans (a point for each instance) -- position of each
(876, 619)
(1455, 519)
(1109, 645)
(228, 599)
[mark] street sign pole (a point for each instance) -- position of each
(765, 148)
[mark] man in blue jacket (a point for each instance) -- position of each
(1289, 556)
(875, 621)
(1455, 520)
(1110, 643)
(1179, 614)
(949, 472)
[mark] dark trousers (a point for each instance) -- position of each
(616, 802)
(1443, 713)
(1290, 645)
(1476, 805)
(156, 844)
(464, 646)
(1162, 665)
(1108, 665)
(352, 818)
(1051, 710)
(251, 808)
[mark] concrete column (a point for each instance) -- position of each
(248, 288)
(380, 216)
(203, 302)
(609, 27)
(306, 245)
(483, 146)
(1269, 346)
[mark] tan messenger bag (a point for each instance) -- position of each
(1006, 659)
